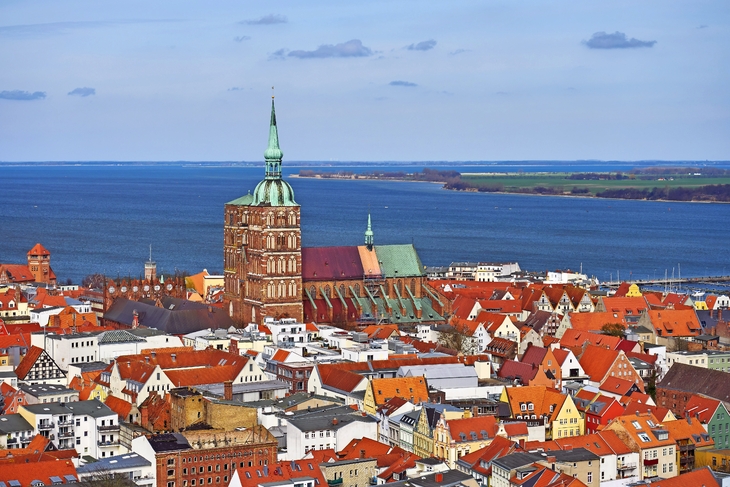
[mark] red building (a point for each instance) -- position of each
(195, 459)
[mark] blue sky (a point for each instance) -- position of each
(365, 81)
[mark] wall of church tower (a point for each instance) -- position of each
(263, 262)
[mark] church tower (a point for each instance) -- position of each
(262, 253)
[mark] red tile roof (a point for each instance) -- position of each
(576, 338)
(279, 472)
(26, 364)
(38, 249)
(478, 428)
(331, 264)
(119, 406)
(496, 449)
(701, 407)
(618, 386)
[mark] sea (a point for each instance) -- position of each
(105, 217)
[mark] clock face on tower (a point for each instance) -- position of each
(169, 287)
(112, 289)
(146, 287)
(124, 289)
(157, 287)
(135, 289)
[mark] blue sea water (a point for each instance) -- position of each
(102, 218)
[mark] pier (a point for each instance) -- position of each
(673, 281)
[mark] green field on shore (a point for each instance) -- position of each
(515, 182)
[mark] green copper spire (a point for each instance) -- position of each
(273, 153)
(369, 235)
(273, 190)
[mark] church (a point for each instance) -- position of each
(269, 275)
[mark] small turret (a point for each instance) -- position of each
(369, 235)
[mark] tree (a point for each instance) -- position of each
(613, 329)
(456, 337)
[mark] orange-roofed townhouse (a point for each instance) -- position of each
(133, 381)
(671, 325)
(644, 434)
(544, 359)
(288, 366)
(500, 326)
(588, 322)
(547, 412)
(12, 304)
(618, 388)
(629, 309)
(336, 381)
(478, 463)
(380, 391)
(718, 302)
(600, 364)
(690, 436)
(617, 461)
(13, 348)
(570, 368)
(559, 300)
(519, 373)
(597, 409)
(465, 308)
(714, 415)
(425, 426)
(581, 299)
(11, 398)
(458, 437)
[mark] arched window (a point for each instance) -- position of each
(342, 290)
(270, 290)
(357, 289)
(313, 292)
(281, 289)
(292, 288)
(413, 286)
(327, 291)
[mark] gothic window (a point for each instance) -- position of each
(413, 286)
(342, 290)
(327, 292)
(281, 289)
(292, 288)
(245, 218)
(282, 265)
(292, 218)
(313, 292)
(357, 289)
(270, 290)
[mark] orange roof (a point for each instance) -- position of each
(594, 321)
(332, 376)
(501, 306)
(312, 327)
(702, 408)
(675, 323)
(17, 272)
(596, 361)
(518, 428)
(635, 425)
(576, 338)
(710, 301)
(356, 446)
(634, 406)
(26, 364)
(618, 386)
(541, 397)
(682, 429)
(30, 467)
(478, 428)
(624, 305)
(462, 307)
(381, 332)
(119, 406)
(281, 471)
(411, 389)
(702, 476)
(496, 449)
(38, 249)
(280, 356)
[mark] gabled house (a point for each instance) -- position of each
(600, 364)
(380, 391)
(428, 418)
(458, 437)
(597, 409)
(668, 325)
(478, 463)
(332, 380)
(385, 412)
(570, 368)
(714, 415)
(37, 367)
(644, 435)
(521, 373)
(538, 405)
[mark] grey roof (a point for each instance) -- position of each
(47, 408)
(116, 462)
(176, 322)
(440, 371)
(93, 408)
(517, 460)
(574, 455)
(39, 390)
(90, 366)
(323, 418)
(242, 388)
(168, 442)
(293, 400)
(117, 336)
(10, 423)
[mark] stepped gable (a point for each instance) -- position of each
(688, 378)
(331, 264)
(181, 320)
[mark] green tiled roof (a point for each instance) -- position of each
(245, 200)
(399, 260)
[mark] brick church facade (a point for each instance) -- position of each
(268, 274)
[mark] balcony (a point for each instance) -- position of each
(374, 481)
(45, 426)
(108, 443)
(651, 461)
(108, 427)
(66, 422)
(334, 482)
(626, 466)
(66, 434)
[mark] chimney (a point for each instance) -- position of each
(228, 390)
(135, 319)
(233, 347)
(439, 477)
(550, 459)
(334, 421)
(362, 453)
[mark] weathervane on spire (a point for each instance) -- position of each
(272, 92)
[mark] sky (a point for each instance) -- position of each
(478, 80)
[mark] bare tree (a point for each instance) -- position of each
(456, 337)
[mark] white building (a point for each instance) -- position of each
(489, 271)
(130, 465)
(88, 426)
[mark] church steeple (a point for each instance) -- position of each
(369, 235)
(273, 153)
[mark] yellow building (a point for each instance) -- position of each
(455, 438)
(380, 391)
(542, 405)
(423, 431)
